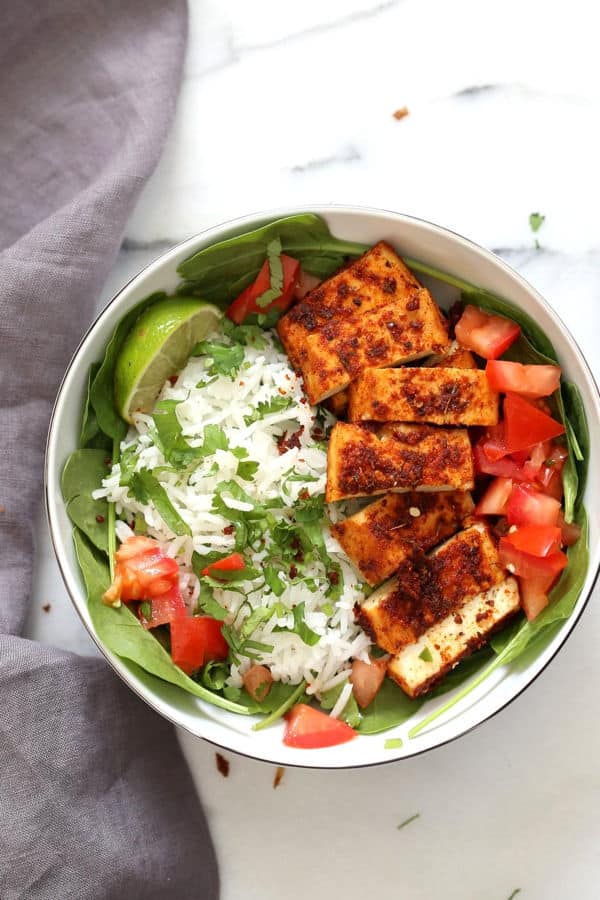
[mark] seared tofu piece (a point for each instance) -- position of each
(456, 357)
(337, 404)
(364, 461)
(419, 666)
(379, 538)
(372, 313)
(426, 589)
(440, 396)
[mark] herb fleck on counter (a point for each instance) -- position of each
(408, 821)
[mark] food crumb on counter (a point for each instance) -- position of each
(222, 765)
(279, 772)
(401, 113)
(46, 607)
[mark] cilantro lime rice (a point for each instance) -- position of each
(240, 455)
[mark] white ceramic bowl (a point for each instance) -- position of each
(414, 238)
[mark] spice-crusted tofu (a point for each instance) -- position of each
(419, 666)
(363, 461)
(380, 537)
(337, 404)
(426, 589)
(372, 313)
(441, 396)
(456, 357)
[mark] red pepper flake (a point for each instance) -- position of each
(100, 519)
(299, 557)
(46, 607)
(293, 571)
(286, 441)
(132, 524)
(302, 399)
(229, 529)
(108, 461)
(241, 383)
(222, 765)
(279, 771)
(304, 495)
(334, 577)
(173, 379)
(282, 391)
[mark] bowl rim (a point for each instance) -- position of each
(255, 218)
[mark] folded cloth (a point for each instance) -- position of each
(95, 798)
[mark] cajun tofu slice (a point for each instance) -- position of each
(441, 396)
(380, 537)
(456, 357)
(419, 666)
(426, 589)
(337, 404)
(372, 313)
(363, 461)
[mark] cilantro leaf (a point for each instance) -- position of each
(247, 335)
(306, 634)
(536, 220)
(266, 407)
(173, 446)
(425, 655)
(275, 289)
(226, 358)
(247, 469)
(148, 489)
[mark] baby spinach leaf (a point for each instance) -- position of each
(221, 272)
(390, 707)
(280, 698)
(169, 436)
(90, 435)
(102, 388)
(350, 713)
(82, 474)
(226, 358)
(122, 633)
(148, 489)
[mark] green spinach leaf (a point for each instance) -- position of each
(82, 474)
(221, 272)
(390, 707)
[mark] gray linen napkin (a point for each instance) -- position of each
(95, 798)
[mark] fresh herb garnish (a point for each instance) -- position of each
(425, 655)
(392, 744)
(514, 893)
(267, 407)
(408, 821)
(275, 288)
(148, 489)
(226, 358)
(247, 469)
(536, 220)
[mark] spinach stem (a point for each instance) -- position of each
(281, 710)
(111, 517)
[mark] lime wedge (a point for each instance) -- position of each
(157, 347)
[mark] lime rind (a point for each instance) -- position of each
(157, 347)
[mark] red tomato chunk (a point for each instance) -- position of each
(246, 305)
(487, 335)
(528, 381)
(311, 729)
(196, 640)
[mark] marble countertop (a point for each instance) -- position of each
(294, 104)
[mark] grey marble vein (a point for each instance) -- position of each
(347, 154)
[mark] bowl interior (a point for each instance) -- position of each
(411, 237)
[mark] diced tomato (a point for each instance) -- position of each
(142, 571)
(257, 681)
(196, 640)
(538, 540)
(534, 594)
(235, 562)
(306, 283)
(528, 566)
(246, 304)
(525, 425)
(528, 381)
(165, 608)
(528, 506)
(570, 531)
(310, 729)
(495, 499)
(487, 335)
(493, 443)
(554, 486)
(367, 679)
(504, 468)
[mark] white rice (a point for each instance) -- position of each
(265, 374)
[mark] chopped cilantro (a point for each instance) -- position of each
(244, 334)
(275, 288)
(392, 744)
(146, 610)
(247, 469)
(536, 220)
(408, 821)
(425, 655)
(226, 358)
(267, 407)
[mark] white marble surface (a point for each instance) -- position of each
(287, 103)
